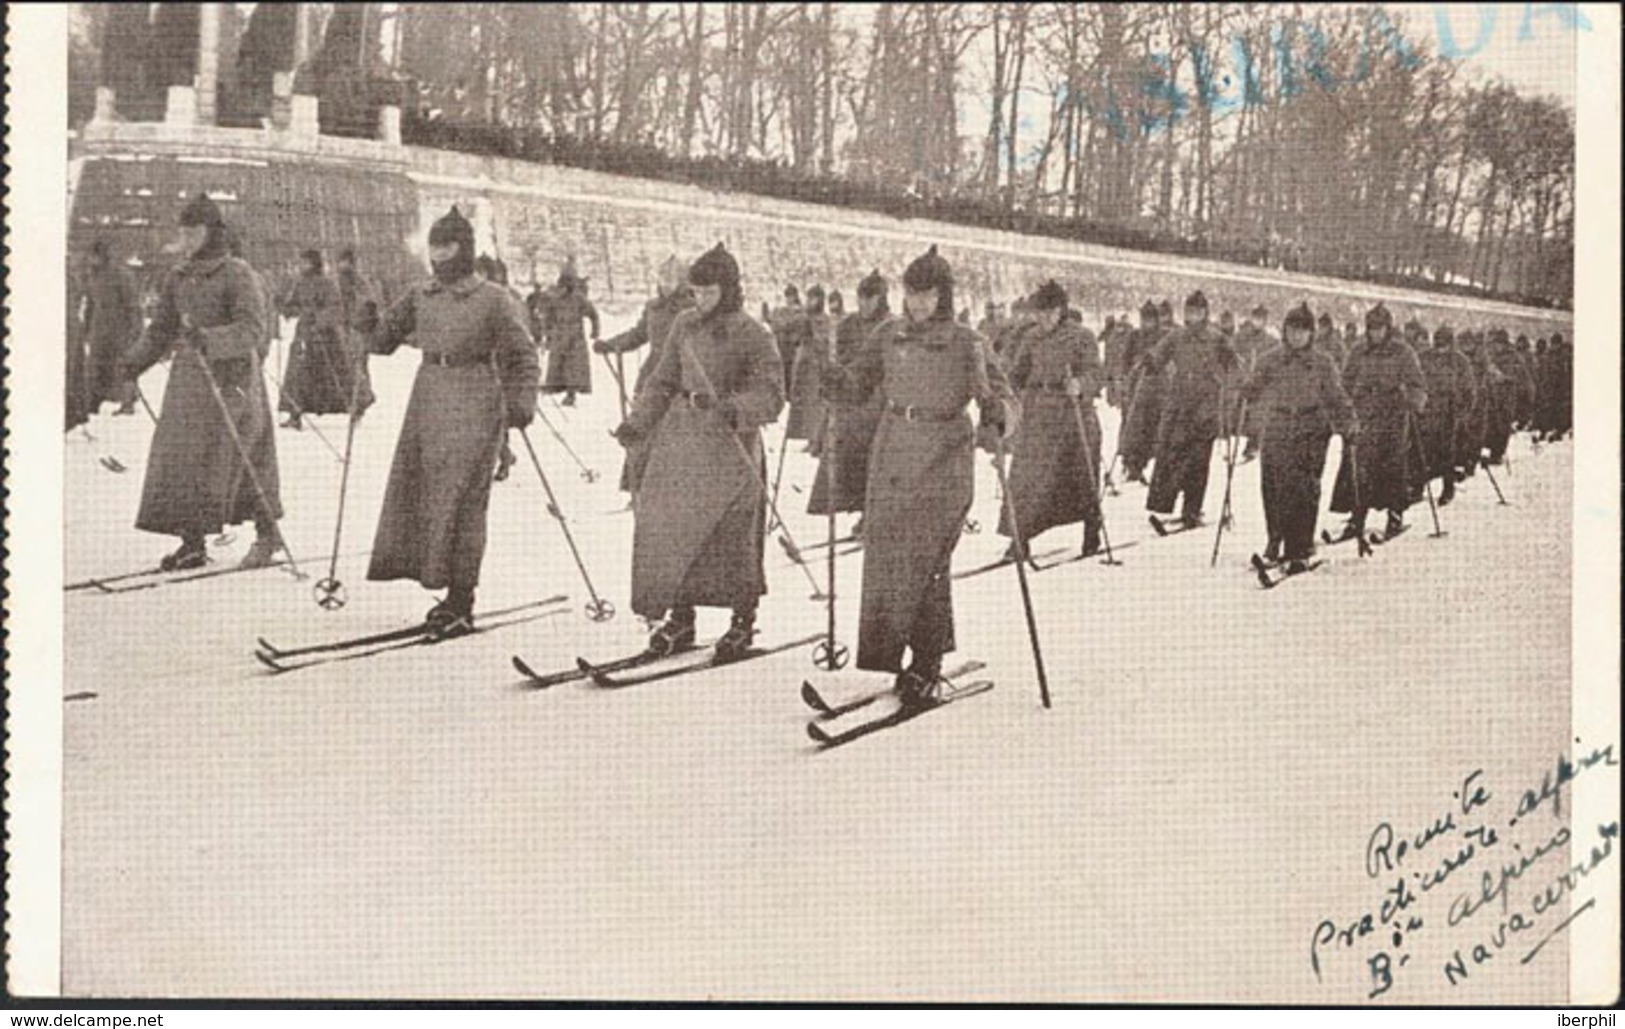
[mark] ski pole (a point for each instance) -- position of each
(598, 609)
(242, 453)
(778, 476)
(618, 372)
(830, 655)
(1487, 471)
(299, 412)
(785, 540)
(1361, 545)
(1427, 479)
(329, 592)
(1229, 480)
(586, 473)
(1021, 572)
(1089, 473)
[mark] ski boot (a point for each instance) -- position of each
(1448, 493)
(452, 617)
(1249, 452)
(1395, 525)
(1091, 540)
(505, 463)
(193, 553)
(262, 553)
(293, 422)
(921, 683)
(569, 399)
(1192, 520)
(857, 528)
(1013, 553)
(1272, 550)
(733, 644)
(674, 634)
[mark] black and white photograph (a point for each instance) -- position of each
(789, 503)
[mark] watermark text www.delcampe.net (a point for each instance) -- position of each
(90, 1021)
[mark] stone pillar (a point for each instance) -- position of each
(281, 100)
(389, 124)
(306, 121)
(106, 106)
(208, 62)
(180, 106)
(301, 36)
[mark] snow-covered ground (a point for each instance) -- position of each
(417, 824)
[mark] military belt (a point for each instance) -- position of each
(910, 413)
(456, 360)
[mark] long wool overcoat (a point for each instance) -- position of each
(1452, 395)
(321, 369)
(569, 362)
(1055, 467)
(1202, 375)
(806, 417)
(432, 526)
(701, 514)
(196, 481)
(1137, 442)
(1296, 400)
(112, 325)
(921, 479)
(855, 425)
(1386, 384)
(652, 330)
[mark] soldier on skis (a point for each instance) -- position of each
(1297, 400)
(672, 297)
(926, 368)
(569, 365)
(855, 424)
(320, 372)
(1384, 379)
(109, 324)
(806, 417)
(1452, 395)
(478, 376)
(1203, 373)
(1253, 340)
(359, 308)
(1054, 473)
(701, 514)
(1142, 392)
(203, 472)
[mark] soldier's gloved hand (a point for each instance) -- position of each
(1074, 387)
(728, 410)
(520, 413)
(993, 419)
(628, 434)
(600, 347)
(702, 401)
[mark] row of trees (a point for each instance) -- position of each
(1327, 138)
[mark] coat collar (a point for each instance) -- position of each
(462, 287)
(202, 268)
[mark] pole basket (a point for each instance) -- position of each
(830, 656)
(600, 610)
(329, 593)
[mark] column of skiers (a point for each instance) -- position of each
(882, 396)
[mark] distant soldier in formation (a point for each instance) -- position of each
(812, 333)
(1511, 390)
(837, 306)
(1384, 379)
(1202, 374)
(478, 376)
(788, 324)
(855, 423)
(1557, 390)
(1252, 340)
(320, 373)
(1055, 469)
(1452, 395)
(109, 322)
(360, 305)
(1299, 401)
(1327, 339)
(1137, 440)
(926, 367)
(672, 297)
(701, 515)
(569, 362)
(211, 317)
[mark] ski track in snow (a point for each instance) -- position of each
(416, 824)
